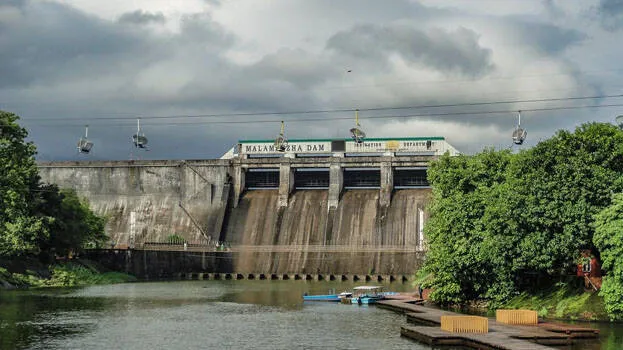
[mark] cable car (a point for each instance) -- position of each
(84, 145)
(139, 139)
(281, 142)
(519, 134)
(619, 120)
(356, 133)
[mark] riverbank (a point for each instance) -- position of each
(78, 272)
(563, 301)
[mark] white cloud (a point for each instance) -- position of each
(206, 57)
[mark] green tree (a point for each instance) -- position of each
(20, 227)
(563, 182)
(463, 188)
(503, 223)
(75, 227)
(609, 240)
(37, 218)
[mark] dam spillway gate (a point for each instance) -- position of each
(322, 214)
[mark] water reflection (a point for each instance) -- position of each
(208, 314)
(198, 314)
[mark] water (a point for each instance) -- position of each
(210, 315)
(195, 315)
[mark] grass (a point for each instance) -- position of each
(562, 301)
(68, 274)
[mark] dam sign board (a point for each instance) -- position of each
(392, 146)
(435, 145)
(292, 147)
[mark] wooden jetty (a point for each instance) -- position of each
(425, 327)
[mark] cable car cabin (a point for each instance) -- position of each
(357, 135)
(140, 141)
(84, 145)
(519, 135)
(280, 144)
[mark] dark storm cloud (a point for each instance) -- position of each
(294, 66)
(445, 51)
(610, 13)
(142, 17)
(54, 41)
(13, 3)
(552, 9)
(546, 38)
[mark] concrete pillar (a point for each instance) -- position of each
(238, 182)
(387, 184)
(336, 184)
(286, 183)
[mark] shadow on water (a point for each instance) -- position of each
(610, 337)
(27, 318)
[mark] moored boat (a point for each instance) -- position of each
(327, 297)
(367, 295)
(322, 297)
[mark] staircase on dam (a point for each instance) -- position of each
(315, 214)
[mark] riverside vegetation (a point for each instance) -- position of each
(507, 228)
(39, 222)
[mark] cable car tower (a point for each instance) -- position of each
(84, 145)
(519, 135)
(139, 139)
(356, 133)
(281, 142)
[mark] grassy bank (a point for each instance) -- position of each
(562, 301)
(69, 274)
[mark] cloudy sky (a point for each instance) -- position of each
(202, 74)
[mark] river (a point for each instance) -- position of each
(205, 315)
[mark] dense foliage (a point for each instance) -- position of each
(504, 223)
(35, 218)
(20, 226)
(609, 240)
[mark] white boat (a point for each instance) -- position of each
(367, 295)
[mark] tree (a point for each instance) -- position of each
(37, 218)
(20, 228)
(500, 223)
(609, 240)
(463, 188)
(75, 227)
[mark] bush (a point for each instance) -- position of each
(175, 239)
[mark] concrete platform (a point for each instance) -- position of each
(427, 321)
(435, 336)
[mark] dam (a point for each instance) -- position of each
(321, 207)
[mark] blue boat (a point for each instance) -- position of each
(367, 295)
(327, 297)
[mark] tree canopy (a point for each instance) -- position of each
(502, 222)
(20, 227)
(36, 217)
(609, 240)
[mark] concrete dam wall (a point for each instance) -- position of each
(148, 201)
(335, 230)
(357, 241)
